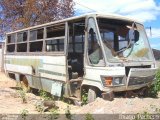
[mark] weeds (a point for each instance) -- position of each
(143, 116)
(88, 116)
(54, 113)
(45, 95)
(68, 113)
(156, 110)
(24, 113)
(148, 116)
(39, 106)
(155, 88)
(84, 97)
(22, 95)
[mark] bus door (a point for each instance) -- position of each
(76, 55)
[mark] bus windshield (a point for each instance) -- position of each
(117, 43)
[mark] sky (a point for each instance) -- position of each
(145, 11)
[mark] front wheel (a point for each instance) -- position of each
(91, 95)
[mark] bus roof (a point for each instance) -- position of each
(110, 16)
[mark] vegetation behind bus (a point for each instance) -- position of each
(155, 88)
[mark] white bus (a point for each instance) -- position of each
(101, 54)
(1, 55)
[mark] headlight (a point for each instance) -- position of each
(117, 81)
(111, 81)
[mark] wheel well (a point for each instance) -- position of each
(21, 77)
(86, 88)
(12, 76)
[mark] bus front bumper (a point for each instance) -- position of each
(137, 78)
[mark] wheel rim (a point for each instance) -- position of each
(91, 95)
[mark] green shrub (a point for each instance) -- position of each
(24, 113)
(84, 97)
(45, 95)
(39, 106)
(54, 113)
(155, 88)
(68, 113)
(22, 95)
(88, 116)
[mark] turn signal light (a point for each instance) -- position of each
(108, 80)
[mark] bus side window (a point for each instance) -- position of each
(22, 41)
(36, 34)
(55, 45)
(55, 38)
(36, 46)
(22, 37)
(36, 40)
(10, 43)
(11, 38)
(11, 48)
(56, 31)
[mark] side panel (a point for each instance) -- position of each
(42, 72)
(52, 67)
(1, 57)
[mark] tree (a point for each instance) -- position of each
(18, 14)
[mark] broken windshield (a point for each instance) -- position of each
(118, 43)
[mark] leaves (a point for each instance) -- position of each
(18, 14)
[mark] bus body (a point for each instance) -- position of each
(94, 52)
(1, 56)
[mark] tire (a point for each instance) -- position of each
(91, 95)
(24, 84)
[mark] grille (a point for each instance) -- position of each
(128, 68)
(140, 80)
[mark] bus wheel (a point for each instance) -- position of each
(91, 95)
(24, 84)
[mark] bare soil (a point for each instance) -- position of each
(11, 103)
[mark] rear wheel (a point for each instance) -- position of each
(24, 84)
(91, 95)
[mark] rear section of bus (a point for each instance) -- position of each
(1, 56)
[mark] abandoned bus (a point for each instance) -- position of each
(100, 54)
(1, 55)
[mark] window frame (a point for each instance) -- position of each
(98, 40)
(35, 40)
(28, 41)
(56, 38)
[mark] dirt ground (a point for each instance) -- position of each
(11, 103)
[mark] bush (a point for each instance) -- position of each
(22, 95)
(84, 97)
(45, 95)
(24, 113)
(155, 88)
(88, 116)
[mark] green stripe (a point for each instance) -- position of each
(51, 72)
(24, 62)
(28, 62)
(53, 64)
